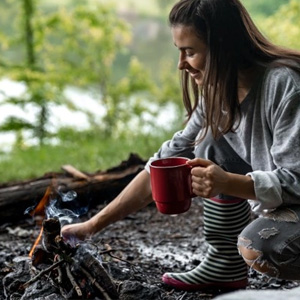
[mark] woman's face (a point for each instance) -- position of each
(192, 51)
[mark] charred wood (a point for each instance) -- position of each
(43, 272)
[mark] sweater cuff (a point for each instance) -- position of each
(267, 190)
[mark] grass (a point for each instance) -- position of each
(86, 151)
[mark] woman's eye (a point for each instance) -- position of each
(189, 54)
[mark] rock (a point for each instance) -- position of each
(292, 294)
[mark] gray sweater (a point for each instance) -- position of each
(268, 138)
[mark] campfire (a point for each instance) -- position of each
(57, 268)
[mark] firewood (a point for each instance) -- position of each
(73, 281)
(73, 263)
(89, 262)
(43, 272)
(95, 283)
(51, 231)
(59, 271)
(74, 172)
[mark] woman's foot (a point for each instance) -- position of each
(222, 267)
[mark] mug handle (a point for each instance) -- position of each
(191, 189)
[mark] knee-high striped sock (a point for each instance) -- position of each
(223, 221)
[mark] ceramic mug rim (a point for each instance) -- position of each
(169, 158)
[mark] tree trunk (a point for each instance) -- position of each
(91, 189)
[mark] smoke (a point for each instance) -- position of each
(64, 206)
(57, 208)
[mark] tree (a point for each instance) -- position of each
(62, 48)
(76, 46)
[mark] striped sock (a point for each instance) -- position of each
(223, 221)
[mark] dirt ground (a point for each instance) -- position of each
(142, 248)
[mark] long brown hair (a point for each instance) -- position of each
(234, 44)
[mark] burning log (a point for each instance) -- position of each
(91, 189)
(76, 272)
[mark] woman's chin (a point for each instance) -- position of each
(199, 81)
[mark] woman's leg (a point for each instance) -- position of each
(224, 218)
(271, 244)
(222, 266)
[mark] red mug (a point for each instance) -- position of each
(171, 184)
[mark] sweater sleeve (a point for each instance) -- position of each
(286, 147)
(281, 186)
(182, 142)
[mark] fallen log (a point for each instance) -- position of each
(91, 189)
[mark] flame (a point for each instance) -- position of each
(36, 242)
(40, 211)
(40, 208)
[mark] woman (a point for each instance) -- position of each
(242, 96)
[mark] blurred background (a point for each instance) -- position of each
(87, 82)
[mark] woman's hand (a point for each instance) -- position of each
(136, 195)
(80, 231)
(208, 179)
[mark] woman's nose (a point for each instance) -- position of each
(181, 62)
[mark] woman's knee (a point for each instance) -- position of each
(256, 250)
(254, 258)
(271, 244)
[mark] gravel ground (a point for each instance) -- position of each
(142, 247)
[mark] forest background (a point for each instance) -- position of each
(87, 82)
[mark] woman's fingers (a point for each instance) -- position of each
(201, 186)
(207, 178)
(199, 162)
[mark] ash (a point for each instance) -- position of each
(135, 252)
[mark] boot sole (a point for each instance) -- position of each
(230, 285)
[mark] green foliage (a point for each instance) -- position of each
(80, 44)
(169, 82)
(263, 7)
(127, 99)
(62, 48)
(76, 46)
(15, 124)
(284, 31)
